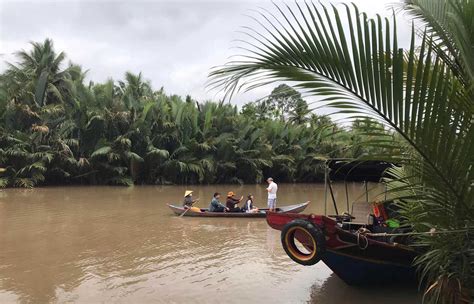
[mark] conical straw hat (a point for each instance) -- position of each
(188, 192)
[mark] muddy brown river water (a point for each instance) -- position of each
(123, 245)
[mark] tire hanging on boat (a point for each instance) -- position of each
(309, 235)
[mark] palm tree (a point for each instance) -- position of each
(425, 94)
(299, 114)
(26, 161)
(39, 72)
(134, 92)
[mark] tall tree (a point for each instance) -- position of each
(39, 72)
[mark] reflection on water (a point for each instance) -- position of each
(109, 244)
(335, 291)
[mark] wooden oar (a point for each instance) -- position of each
(195, 201)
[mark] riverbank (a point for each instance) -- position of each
(124, 132)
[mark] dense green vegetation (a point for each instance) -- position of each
(424, 93)
(57, 129)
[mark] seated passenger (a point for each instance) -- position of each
(217, 206)
(188, 199)
(232, 202)
(248, 206)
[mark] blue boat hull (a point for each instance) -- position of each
(356, 259)
(359, 271)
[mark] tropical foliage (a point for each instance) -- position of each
(57, 129)
(425, 94)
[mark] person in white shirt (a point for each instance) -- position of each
(272, 194)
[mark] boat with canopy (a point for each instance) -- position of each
(364, 245)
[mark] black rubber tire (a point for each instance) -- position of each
(312, 231)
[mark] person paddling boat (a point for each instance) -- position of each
(188, 199)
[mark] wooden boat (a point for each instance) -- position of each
(356, 258)
(262, 212)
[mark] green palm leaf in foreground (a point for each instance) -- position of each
(356, 64)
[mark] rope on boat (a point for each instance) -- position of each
(362, 234)
(432, 232)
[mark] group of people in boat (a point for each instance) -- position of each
(232, 202)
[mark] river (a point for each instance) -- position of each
(123, 245)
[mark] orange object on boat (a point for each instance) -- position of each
(379, 210)
(195, 209)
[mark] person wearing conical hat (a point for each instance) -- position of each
(232, 202)
(188, 199)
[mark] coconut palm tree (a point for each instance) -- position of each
(425, 94)
(38, 78)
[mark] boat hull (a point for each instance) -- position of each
(263, 212)
(354, 270)
(357, 261)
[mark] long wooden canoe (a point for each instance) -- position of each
(262, 212)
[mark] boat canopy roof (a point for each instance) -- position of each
(348, 169)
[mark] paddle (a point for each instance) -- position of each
(195, 201)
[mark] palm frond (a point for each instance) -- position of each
(449, 23)
(360, 70)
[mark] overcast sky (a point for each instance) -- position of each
(173, 43)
